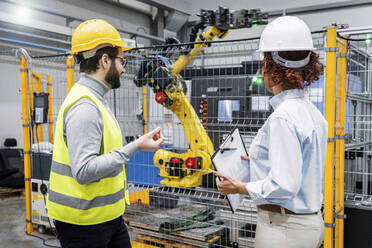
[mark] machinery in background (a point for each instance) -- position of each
(38, 198)
(357, 222)
(187, 169)
(236, 97)
(41, 158)
(41, 164)
(41, 106)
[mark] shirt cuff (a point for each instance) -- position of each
(130, 149)
(254, 191)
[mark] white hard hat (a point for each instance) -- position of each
(286, 33)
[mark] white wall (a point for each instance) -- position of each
(10, 101)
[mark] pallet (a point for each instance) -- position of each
(9, 192)
(160, 242)
(179, 239)
(141, 245)
(153, 221)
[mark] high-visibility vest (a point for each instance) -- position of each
(95, 202)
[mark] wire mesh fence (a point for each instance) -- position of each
(358, 164)
(49, 70)
(225, 89)
(173, 193)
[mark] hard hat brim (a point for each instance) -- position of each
(285, 49)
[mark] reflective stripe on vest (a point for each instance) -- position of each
(76, 203)
(65, 170)
(91, 203)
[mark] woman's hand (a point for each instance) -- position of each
(245, 157)
(151, 141)
(229, 185)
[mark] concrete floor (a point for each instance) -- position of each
(13, 226)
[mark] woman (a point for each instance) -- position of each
(288, 153)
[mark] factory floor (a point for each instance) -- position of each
(13, 226)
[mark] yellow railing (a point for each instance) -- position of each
(70, 73)
(50, 110)
(335, 162)
(340, 143)
(330, 117)
(26, 141)
(144, 108)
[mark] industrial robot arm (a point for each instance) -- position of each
(186, 169)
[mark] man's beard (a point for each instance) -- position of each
(113, 77)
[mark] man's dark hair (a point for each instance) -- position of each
(91, 65)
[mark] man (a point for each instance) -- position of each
(288, 153)
(88, 193)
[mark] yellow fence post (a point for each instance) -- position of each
(39, 89)
(330, 117)
(31, 91)
(70, 72)
(340, 143)
(50, 109)
(26, 142)
(144, 108)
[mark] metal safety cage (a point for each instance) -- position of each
(196, 100)
(173, 193)
(43, 85)
(54, 72)
(347, 194)
(358, 141)
(358, 129)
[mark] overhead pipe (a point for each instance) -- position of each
(31, 44)
(35, 36)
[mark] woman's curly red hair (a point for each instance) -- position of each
(293, 78)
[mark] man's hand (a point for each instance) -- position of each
(229, 185)
(151, 141)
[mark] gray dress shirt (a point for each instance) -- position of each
(82, 127)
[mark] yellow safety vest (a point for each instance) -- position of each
(95, 202)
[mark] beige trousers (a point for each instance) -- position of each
(288, 230)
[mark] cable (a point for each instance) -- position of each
(204, 42)
(44, 241)
(349, 71)
(51, 56)
(350, 39)
(175, 45)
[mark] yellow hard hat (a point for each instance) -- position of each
(92, 33)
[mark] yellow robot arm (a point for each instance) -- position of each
(186, 169)
(184, 60)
